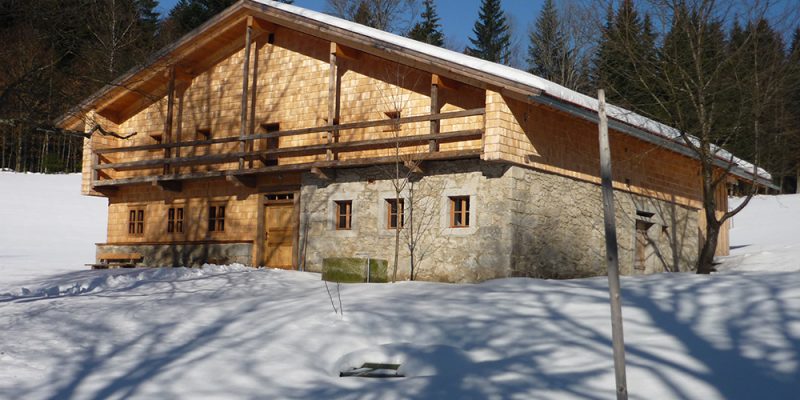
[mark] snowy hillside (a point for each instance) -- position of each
(236, 332)
(46, 226)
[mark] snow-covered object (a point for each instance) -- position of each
(506, 72)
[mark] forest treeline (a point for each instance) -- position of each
(57, 52)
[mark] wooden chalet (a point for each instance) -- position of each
(269, 136)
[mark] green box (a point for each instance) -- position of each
(353, 270)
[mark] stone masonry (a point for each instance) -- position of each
(523, 222)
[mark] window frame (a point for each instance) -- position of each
(464, 213)
(216, 224)
(176, 220)
(348, 215)
(136, 216)
(398, 204)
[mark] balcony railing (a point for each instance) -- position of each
(167, 164)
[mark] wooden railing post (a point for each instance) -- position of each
(435, 123)
(245, 86)
(95, 175)
(333, 99)
(168, 120)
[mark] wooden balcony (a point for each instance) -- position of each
(340, 147)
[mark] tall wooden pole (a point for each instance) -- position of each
(333, 95)
(245, 85)
(611, 252)
(432, 144)
(167, 138)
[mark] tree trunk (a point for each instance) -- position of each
(396, 238)
(705, 264)
(19, 165)
(797, 181)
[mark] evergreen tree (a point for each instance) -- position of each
(548, 55)
(627, 44)
(428, 30)
(189, 14)
(363, 15)
(492, 39)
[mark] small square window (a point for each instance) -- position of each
(344, 214)
(175, 220)
(394, 213)
(216, 218)
(459, 211)
(136, 222)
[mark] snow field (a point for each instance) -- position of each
(238, 332)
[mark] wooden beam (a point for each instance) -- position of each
(359, 162)
(168, 119)
(261, 26)
(345, 52)
(359, 145)
(325, 174)
(245, 86)
(303, 131)
(435, 107)
(248, 181)
(414, 166)
(444, 83)
(253, 93)
(333, 99)
(169, 185)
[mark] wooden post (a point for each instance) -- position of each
(333, 96)
(253, 89)
(179, 122)
(167, 139)
(95, 162)
(245, 85)
(612, 260)
(435, 124)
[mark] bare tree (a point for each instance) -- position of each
(698, 85)
(386, 15)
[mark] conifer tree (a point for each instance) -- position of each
(492, 39)
(428, 30)
(189, 14)
(548, 55)
(363, 15)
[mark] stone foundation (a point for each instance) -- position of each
(523, 222)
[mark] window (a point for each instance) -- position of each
(136, 222)
(459, 212)
(344, 214)
(272, 143)
(216, 218)
(175, 220)
(394, 213)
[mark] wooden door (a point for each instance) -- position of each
(279, 223)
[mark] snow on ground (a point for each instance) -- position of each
(237, 332)
(46, 226)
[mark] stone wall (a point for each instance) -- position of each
(522, 223)
(185, 255)
(558, 230)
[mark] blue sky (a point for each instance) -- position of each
(457, 16)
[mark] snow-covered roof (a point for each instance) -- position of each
(512, 74)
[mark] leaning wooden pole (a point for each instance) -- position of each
(245, 84)
(612, 259)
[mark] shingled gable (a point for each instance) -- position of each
(219, 37)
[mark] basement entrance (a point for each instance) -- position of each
(280, 236)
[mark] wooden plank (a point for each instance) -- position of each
(248, 181)
(432, 145)
(302, 131)
(326, 174)
(448, 155)
(168, 119)
(299, 150)
(245, 87)
(333, 95)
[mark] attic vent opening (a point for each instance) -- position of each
(373, 370)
